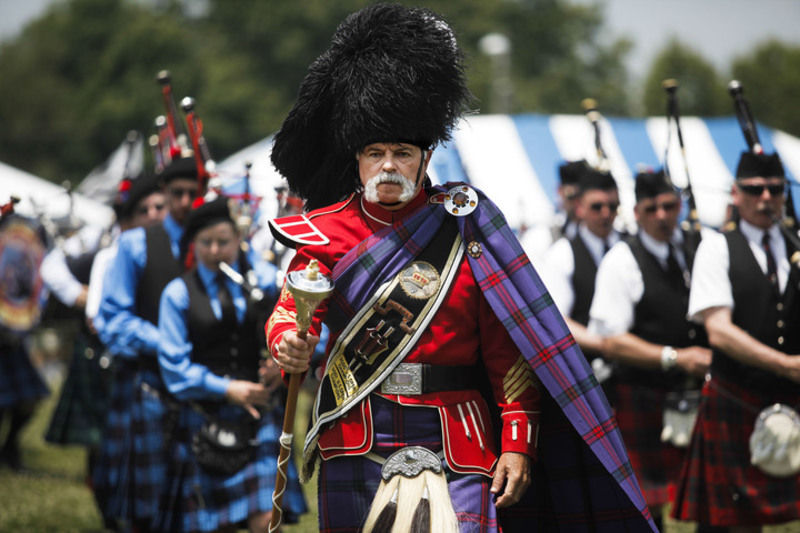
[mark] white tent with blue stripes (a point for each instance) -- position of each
(514, 159)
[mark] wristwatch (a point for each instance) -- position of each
(669, 358)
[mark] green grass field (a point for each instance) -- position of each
(50, 495)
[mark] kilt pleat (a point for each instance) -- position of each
(718, 485)
(210, 501)
(79, 416)
(112, 473)
(639, 413)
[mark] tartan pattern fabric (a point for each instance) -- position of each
(521, 302)
(570, 489)
(80, 413)
(718, 485)
(209, 501)
(19, 380)
(639, 413)
(149, 452)
(347, 484)
(112, 473)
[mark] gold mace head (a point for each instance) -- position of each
(308, 287)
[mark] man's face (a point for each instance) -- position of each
(598, 209)
(215, 243)
(149, 210)
(181, 192)
(658, 216)
(388, 172)
(569, 194)
(760, 200)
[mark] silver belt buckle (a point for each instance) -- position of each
(406, 379)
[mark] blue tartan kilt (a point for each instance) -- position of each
(212, 501)
(152, 422)
(112, 474)
(20, 382)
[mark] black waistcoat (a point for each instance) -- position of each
(226, 349)
(582, 280)
(769, 318)
(660, 318)
(160, 269)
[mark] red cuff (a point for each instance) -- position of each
(520, 432)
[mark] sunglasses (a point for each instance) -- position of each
(598, 206)
(666, 206)
(758, 190)
(180, 192)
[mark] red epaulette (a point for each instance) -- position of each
(298, 230)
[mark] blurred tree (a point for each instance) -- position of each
(77, 79)
(556, 57)
(770, 76)
(701, 91)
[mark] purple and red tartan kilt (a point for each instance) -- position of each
(639, 413)
(347, 484)
(718, 485)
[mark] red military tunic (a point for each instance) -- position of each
(464, 330)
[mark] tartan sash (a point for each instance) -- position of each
(521, 302)
(386, 329)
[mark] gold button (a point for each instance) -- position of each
(780, 306)
(780, 323)
(780, 340)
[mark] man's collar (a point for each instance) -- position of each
(754, 233)
(381, 215)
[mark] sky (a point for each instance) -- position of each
(719, 29)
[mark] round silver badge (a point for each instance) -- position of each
(420, 280)
(461, 200)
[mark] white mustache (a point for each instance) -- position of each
(371, 188)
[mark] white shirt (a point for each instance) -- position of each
(711, 286)
(558, 266)
(99, 266)
(619, 286)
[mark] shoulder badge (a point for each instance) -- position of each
(460, 200)
(296, 230)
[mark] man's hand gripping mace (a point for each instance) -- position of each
(309, 288)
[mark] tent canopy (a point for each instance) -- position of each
(41, 197)
(514, 159)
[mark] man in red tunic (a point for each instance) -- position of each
(422, 351)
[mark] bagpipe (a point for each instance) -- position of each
(593, 115)
(174, 138)
(691, 225)
(786, 221)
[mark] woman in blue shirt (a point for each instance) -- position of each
(211, 357)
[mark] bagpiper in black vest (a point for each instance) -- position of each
(161, 268)
(582, 280)
(230, 350)
(757, 309)
(660, 318)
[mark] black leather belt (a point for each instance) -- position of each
(410, 379)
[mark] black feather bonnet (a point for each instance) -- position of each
(391, 74)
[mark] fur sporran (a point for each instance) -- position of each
(775, 441)
(680, 415)
(225, 447)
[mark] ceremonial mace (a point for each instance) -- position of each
(309, 288)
